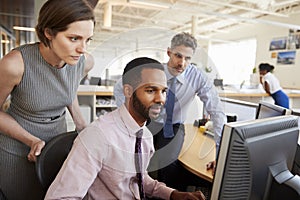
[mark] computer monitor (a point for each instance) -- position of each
(252, 155)
(95, 80)
(296, 167)
(296, 112)
(266, 109)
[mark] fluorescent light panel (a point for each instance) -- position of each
(5, 41)
(21, 28)
(146, 3)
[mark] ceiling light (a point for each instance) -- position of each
(150, 4)
(20, 28)
(5, 41)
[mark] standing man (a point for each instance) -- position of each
(188, 82)
(109, 158)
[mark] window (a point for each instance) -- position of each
(234, 61)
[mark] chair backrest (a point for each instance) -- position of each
(2, 197)
(53, 156)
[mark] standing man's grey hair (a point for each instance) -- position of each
(185, 39)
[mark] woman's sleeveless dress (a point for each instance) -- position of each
(38, 104)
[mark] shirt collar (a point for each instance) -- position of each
(179, 78)
(127, 120)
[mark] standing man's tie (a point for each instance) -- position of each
(139, 163)
(168, 127)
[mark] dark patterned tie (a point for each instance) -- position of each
(168, 127)
(139, 163)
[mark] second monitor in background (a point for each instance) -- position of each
(95, 80)
(266, 109)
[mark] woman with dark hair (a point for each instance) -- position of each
(42, 80)
(272, 86)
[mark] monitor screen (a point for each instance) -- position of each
(243, 110)
(266, 109)
(252, 155)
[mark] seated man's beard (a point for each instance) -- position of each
(140, 107)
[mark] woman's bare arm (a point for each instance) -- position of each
(11, 73)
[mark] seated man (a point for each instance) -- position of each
(109, 158)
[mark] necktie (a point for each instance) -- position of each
(168, 127)
(139, 163)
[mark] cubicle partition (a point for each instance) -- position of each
(243, 110)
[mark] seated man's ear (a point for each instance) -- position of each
(127, 90)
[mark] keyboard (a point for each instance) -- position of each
(209, 133)
(206, 190)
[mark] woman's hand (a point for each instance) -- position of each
(80, 127)
(35, 150)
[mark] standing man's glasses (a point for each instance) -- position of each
(180, 56)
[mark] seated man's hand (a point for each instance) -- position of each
(176, 195)
(211, 165)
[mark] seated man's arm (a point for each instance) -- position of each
(153, 188)
(76, 175)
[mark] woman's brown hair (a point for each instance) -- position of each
(56, 15)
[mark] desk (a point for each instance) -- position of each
(198, 150)
(255, 97)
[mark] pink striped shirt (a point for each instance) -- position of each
(101, 162)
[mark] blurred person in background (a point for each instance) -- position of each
(272, 85)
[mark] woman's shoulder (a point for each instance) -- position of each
(11, 70)
(269, 75)
(12, 64)
(27, 47)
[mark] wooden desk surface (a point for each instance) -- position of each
(198, 150)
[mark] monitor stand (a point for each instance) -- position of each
(285, 185)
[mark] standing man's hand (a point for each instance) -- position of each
(176, 195)
(211, 165)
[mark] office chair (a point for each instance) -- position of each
(53, 156)
(2, 197)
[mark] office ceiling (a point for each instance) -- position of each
(16, 12)
(20, 13)
(203, 18)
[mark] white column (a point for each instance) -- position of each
(194, 25)
(107, 15)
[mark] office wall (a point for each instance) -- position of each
(264, 33)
